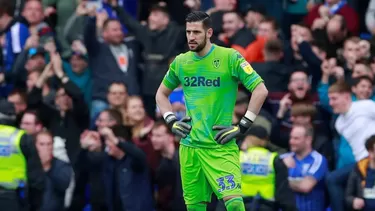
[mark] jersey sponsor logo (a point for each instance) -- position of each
(246, 67)
(197, 81)
(216, 63)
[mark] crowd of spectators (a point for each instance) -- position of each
(80, 77)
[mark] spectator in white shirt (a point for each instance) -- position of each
(355, 123)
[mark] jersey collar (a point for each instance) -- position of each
(202, 57)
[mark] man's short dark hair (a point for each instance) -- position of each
(319, 45)
(118, 83)
(199, 16)
(273, 46)
(161, 123)
(114, 115)
(358, 80)
(20, 93)
(239, 16)
(7, 7)
(369, 144)
(272, 21)
(35, 113)
(108, 21)
(122, 131)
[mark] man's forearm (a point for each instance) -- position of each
(295, 185)
(163, 103)
(258, 97)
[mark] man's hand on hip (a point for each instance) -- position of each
(228, 133)
(180, 128)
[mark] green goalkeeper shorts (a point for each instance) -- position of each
(204, 171)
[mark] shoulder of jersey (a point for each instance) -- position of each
(184, 55)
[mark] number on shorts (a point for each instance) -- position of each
(230, 181)
(221, 184)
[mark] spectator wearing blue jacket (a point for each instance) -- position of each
(16, 34)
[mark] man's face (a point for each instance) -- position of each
(338, 101)
(135, 110)
(78, 64)
(301, 120)
(31, 80)
(351, 51)
(298, 140)
(267, 31)
(19, 104)
(62, 100)
(29, 124)
(253, 19)
(364, 48)
(225, 5)
(104, 121)
(231, 24)
(334, 31)
(160, 138)
(297, 31)
(361, 70)
(33, 12)
(363, 90)
(299, 85)
(36, 62)
(117, 95)
(157, 20)
(44, 146)
(197, 36)
(113, 33)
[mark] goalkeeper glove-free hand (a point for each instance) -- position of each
(179, 128)
(228, 133)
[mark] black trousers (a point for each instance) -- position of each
(9, 201)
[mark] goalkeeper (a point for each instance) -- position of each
(209, 75)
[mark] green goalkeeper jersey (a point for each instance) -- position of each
(210, 86)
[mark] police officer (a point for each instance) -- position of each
(21, 172)
(264, 175)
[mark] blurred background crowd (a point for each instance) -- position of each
(80, 77)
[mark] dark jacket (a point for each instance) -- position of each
(104, 67)
(35, 173)
(68, 127)
(275, 75)
(159, 48)
(57, 181)
(356, 182)
(130, 177)
(168, 178)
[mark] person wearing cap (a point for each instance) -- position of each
(264, 175)
(22, 177)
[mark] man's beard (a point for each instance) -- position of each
(200, 46)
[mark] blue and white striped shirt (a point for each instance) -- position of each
(313, 165)
(15, 41)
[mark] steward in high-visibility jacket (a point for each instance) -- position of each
(264, 176)
(18, 159)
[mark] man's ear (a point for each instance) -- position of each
(209, 33)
